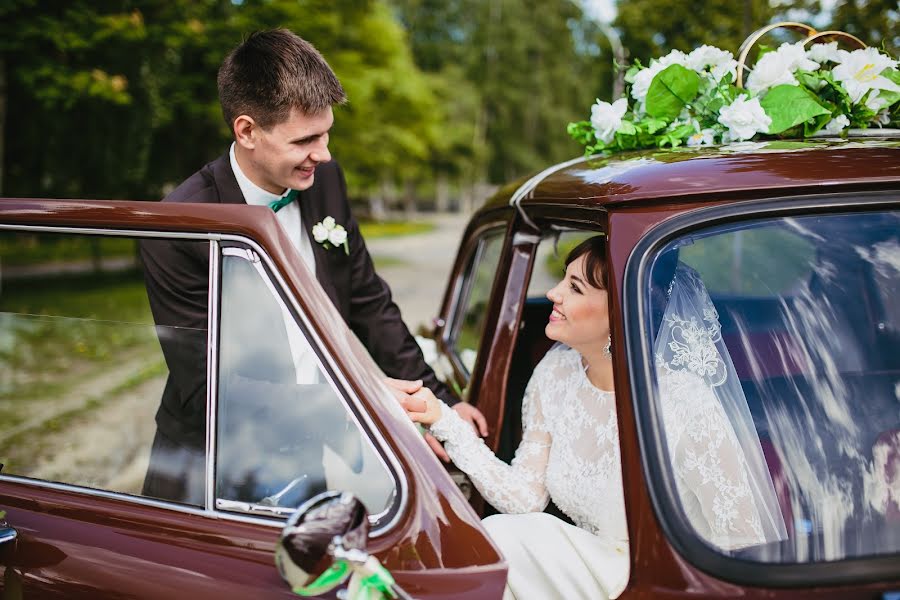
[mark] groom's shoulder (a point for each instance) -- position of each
(202, 186)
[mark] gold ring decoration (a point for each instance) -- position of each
(835, 36)
(754, 37)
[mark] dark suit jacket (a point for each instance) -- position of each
(176, 274)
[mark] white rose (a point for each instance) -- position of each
(704, 137)
(606, 118)
(328, 223)
(796, 57)
(836, 125)
(774, 68)
(337, 236)
(822, 53)
(718, 61)
(860, 71)
(320, 234)
(744, 118)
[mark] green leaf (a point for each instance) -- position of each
(627, 128)
(2, 515)
(888, 97)
(654, 125)
(670, 91)
(790, 105)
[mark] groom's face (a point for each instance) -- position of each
(286, 155)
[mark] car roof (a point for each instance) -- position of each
(688, 174)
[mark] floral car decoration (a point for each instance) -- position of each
(700, 98)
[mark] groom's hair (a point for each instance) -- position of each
(272, 73)
(594, 251)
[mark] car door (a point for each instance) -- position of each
(288, 409)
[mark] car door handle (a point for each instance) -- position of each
(7, 534)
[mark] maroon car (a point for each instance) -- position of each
(797, 243)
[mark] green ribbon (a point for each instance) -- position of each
(330, 579)
(277, 205)
(376, 586)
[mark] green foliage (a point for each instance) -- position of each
(790, 105)
(672, 89)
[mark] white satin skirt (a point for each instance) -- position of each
(551, 559)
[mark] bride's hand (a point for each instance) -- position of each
(423, 407)
(419, 402)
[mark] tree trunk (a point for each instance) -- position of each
(409, 199)
(442, 194)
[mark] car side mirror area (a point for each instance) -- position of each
(323, 545)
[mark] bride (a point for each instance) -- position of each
(570, 450)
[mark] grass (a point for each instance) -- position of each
(372, 230)
(21, 249)
(32, 439)
(66, 324)
(382, 262)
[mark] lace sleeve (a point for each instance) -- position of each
(510, 488)
(709, 465)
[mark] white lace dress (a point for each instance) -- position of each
(570, 453)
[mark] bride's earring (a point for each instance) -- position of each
(607, 349)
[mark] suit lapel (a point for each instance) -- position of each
(312, 211)
(226, 183)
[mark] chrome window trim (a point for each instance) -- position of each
(658, 479)
(372, 432)
(212, 367)
(462, 287)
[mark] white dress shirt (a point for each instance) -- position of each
(304, 358)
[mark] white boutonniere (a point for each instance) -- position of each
(328, 233)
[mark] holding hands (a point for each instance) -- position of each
(424, 408)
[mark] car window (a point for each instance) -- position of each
(283, 432)
(795, 322)
(467, 327)
(82, 368)
(550, 261)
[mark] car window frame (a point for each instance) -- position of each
(336, 378)
(380, 522)
(659, 478)
(461, 289)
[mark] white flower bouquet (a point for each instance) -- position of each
(792, 91)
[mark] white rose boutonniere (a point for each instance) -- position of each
(328, 233)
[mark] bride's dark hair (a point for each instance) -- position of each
(594, 251)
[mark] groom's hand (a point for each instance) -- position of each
(410, 397)
(473, 416)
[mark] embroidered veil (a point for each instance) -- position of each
(721, 474)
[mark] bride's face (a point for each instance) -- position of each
(580, 317)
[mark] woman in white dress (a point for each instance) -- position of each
(570, 453)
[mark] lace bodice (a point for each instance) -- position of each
(570, 453)
(569, 450)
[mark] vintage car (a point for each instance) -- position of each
(797, 243)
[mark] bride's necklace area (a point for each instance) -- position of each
(585, 366)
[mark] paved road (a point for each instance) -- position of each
(423, 263)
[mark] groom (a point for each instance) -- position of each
(276, 93)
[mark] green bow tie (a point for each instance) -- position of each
(277, 205)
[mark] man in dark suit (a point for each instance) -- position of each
(277, 94)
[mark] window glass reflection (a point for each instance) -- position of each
(283, 432)
(804, 311)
